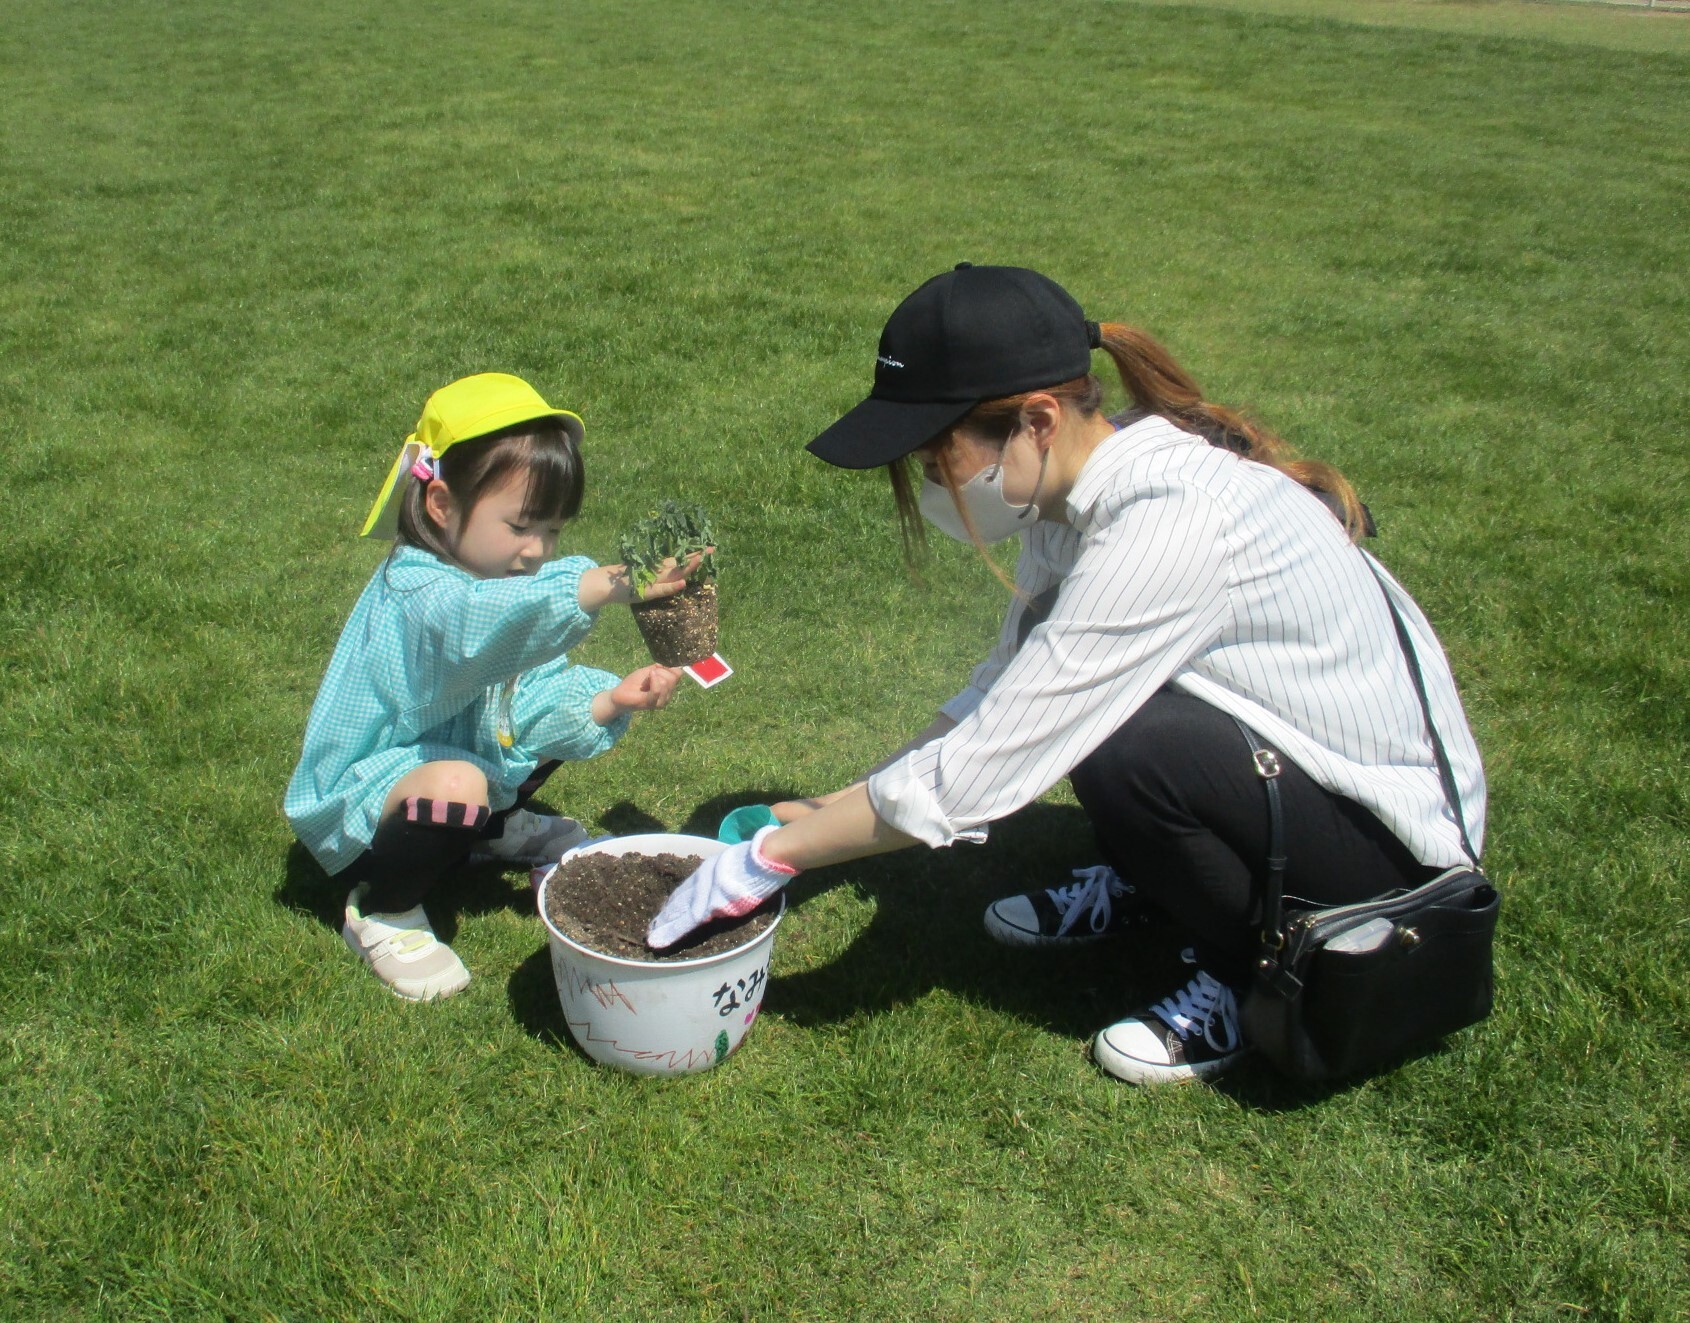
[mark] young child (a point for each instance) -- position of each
(449, 699)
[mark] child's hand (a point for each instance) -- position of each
(674, 577)
(613, 585)
(646, 690)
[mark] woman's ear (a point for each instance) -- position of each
(1041, 415)
(438, 503)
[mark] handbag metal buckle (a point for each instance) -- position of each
(1267, 764)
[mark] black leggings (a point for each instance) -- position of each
(1180, 813)
(423, 840)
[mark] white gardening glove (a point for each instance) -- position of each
(724, 886)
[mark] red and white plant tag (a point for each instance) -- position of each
(709, 672)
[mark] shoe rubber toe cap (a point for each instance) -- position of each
(1131, 1051)
(432, 987)
(1013, 922)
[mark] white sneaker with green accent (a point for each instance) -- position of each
(402, 950)
(530, 839)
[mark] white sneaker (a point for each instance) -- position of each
(402, 950)
(1097, 904)
(1191, 1035)
(531, 839)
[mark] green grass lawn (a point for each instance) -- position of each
(1442, 246)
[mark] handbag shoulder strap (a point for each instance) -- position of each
(1267, 768)
(1268, 965)
(1445, 774)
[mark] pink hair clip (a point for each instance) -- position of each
(426, 469)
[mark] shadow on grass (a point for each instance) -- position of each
(926, 933)
(629, 819)
(468, 890)
(531, 991)
(1256, 1085)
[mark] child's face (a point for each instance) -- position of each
(496, 541)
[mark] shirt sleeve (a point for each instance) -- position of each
(464, 635)
(1147, 593)
(1032, 577)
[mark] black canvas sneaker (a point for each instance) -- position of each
(1097, 904)
(1192, 1034)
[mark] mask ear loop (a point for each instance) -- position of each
(1033, 500)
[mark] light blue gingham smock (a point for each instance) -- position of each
(417, 678)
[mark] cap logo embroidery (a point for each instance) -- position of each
(890, 362)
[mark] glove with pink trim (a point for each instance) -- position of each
(724, 886)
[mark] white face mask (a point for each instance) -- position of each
(993, 517)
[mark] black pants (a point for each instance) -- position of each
(413, 850)
(1180, 813)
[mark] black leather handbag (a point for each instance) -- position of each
(1352, 988)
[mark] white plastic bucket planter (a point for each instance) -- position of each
(669, 1017)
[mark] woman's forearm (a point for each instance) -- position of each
(848, 828)
(793, 809)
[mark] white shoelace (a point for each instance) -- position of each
(1098, 887)
(1203, 1005)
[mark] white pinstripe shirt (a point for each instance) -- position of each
(1186, 564)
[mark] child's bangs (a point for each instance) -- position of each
(554, 477)
(553, 463)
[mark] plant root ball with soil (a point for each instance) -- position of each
(679, 630)
(607, 901)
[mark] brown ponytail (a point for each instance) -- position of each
(1157, 384)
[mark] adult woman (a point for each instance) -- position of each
(1178, 577)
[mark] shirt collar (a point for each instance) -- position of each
(1095, 474)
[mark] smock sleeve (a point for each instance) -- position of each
(553, 713)
(463, 635)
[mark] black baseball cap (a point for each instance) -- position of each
(975, 333)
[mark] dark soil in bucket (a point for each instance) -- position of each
(681, 629)
(607, 901)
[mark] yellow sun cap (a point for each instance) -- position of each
(470, 407)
